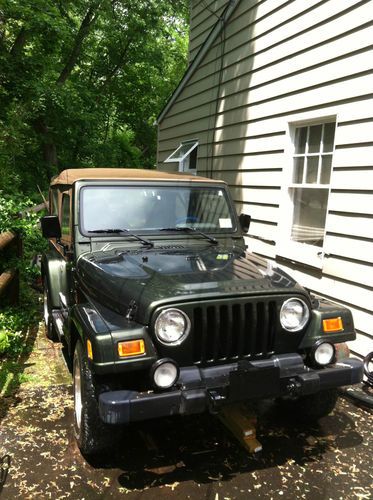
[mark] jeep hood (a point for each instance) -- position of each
(146, 279)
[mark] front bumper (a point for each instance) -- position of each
(201, 389)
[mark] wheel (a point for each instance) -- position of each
(50, 331)
(92, 435)
(312, 407)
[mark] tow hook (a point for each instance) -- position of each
(293, 387)
(216, 400)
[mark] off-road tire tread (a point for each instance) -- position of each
(50, 331)
(94, 436)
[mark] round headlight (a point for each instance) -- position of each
(324, 353)
(165, 373)
(294, 315)
(172, 326)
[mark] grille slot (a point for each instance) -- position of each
(233, 331)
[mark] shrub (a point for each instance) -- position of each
(15, 320)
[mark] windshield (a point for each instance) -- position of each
(139, 208)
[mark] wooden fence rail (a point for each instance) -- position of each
(11, 246)
(9, 278)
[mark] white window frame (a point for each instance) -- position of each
(304, 253)
(183, 159)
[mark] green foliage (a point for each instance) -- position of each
(82, 83)
(10, 340)
(15, 215)
(11, 209)
(15, 321)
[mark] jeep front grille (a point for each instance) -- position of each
(234, 331)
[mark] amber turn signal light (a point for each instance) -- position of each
(332, 325)
(89, 349)
(131, 348)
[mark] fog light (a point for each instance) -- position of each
(324, 353)
(165, 373)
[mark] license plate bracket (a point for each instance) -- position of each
(249, 382)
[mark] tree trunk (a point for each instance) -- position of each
(19, 42)
(48, 146)
(82, 34)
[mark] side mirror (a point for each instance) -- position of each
(245, 222)
(50, 226)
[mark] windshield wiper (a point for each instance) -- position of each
(190, 230)
(127, 232)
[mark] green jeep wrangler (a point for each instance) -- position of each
(148, 283)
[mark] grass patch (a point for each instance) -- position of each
(11, 377)
(19, 327)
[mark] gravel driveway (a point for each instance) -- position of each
(193, 457)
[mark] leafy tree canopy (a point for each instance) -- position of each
(82, 81)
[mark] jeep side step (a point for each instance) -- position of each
(242, 425)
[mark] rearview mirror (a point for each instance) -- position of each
(245, 222)
(50, 226)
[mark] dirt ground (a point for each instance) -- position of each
(194, 457)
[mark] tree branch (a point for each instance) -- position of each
(19, 42)
(64, 12)
(119, 64)
(82, 34)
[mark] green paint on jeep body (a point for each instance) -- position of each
(115, 287)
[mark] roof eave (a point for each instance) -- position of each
(215, 32)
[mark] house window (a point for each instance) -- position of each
(186, 156)
(308, 192)
(312, 164)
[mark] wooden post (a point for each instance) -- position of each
(9, 278)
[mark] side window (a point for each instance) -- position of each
(65, 216)
(53, 200)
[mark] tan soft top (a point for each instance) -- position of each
(68, 177)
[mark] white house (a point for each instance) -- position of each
(278, 102)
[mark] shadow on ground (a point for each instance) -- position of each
(189, 457)
(201, 449)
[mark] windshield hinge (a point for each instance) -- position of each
(132, 310)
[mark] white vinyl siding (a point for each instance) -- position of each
(287, 62)
(204, 15)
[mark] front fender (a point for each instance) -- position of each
(315, 331)
(104, 333)
(54, 270)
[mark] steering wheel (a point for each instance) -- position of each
(185, 220)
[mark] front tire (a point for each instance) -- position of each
(50, 331)
(92, 435)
